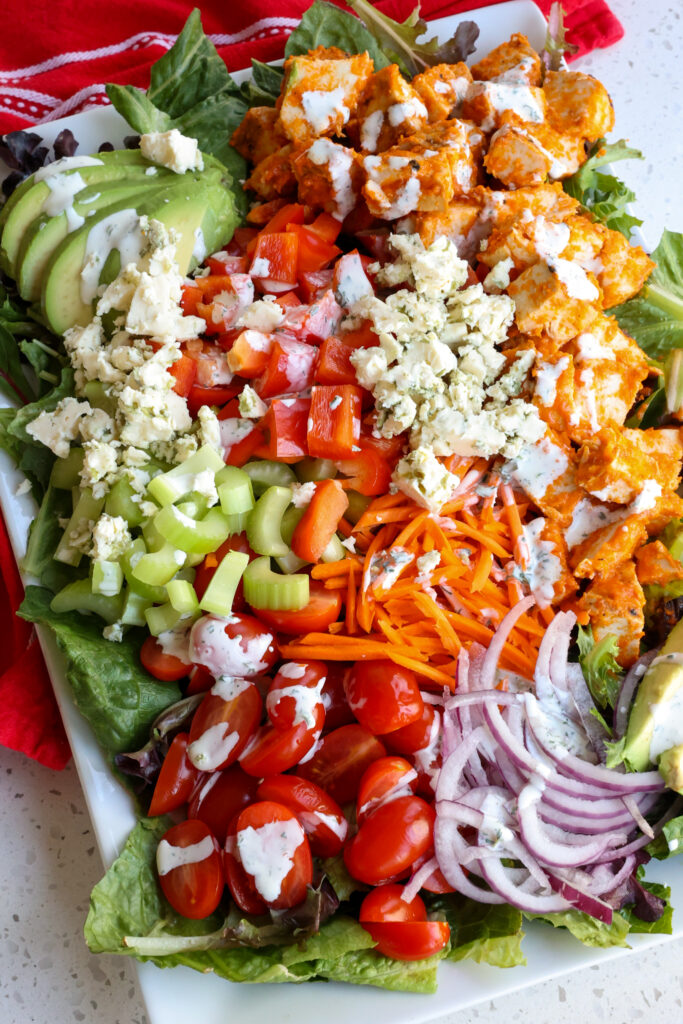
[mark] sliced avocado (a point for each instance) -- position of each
(193, 202)
(45, 233)
(659, 687)
(27, 201)
(671, 768)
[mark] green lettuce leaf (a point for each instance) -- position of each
(601, 670)
(263, 88)
(604, 195)
(128, 914)
(110, 688)
(191, 90)
(669, 842)
(325, 24)
(654, 317)
(587, 929)
(481, 932)
(664, 924)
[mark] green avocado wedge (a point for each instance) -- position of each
(652, 726)
(198, 206)
(45, 233)
(27, 202)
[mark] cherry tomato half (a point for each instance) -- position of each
(218, 796)
(415, 736)
(239, 646)
(166, 667)
(176, 779)
(339, 762)
(277, 750)
(383, 696)
(390, 840)
(191, 881)
(296, 693)
(323, 608)
(224, 723)
(409, 940)
(383, 777)
(385, 903)
(436, 881)
(337, 710)
(322, 819)
(261, 843)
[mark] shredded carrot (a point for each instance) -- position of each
(481, 573)
(328, 570)
(350, 616)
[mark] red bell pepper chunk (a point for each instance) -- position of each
(360, 337)
(323, 319)
(319, 523)
(291, 213)
(189, 298)
(312, 286)
(222, 263)
(327, 226)
(241, 240)
(366, 471)
(288, 301)
(334, 426)
(240, 439)
(250, 353)
(334, 363)
(350, 280)
(388, 447)
(376, 241)
(275, 257)
(210, 396)
(314, 252)
(290, 369)
(231, 410)
(184, 370)
(284, 427)
(260, 215)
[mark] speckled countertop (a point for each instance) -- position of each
(48, 858)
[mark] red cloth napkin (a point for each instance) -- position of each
(57, 58)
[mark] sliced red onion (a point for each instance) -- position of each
(448, 846)
(418, 879)
(584, 901)
(449, 784)
(497, 877)
(603, 880)
(541, 842)
(495, 648)
(640, 821)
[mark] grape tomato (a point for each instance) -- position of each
(237, 646)
(322, 818)
(268, 846)
(295, 695)
(224, 723)
(383, 696)
(176, 779)
(190, 871)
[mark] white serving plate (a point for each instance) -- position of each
(178, 995)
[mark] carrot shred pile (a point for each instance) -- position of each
(422, 617)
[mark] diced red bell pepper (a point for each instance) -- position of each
(388, 447)
(366, 471)
(212, 367)
(334, 425)
(241, 240)
(324, 318)
(210, 396)
(263, 212)
(334, 363)
(275, 258)
(312, 286)
(290, 369)
(350, 282)
(314, 252)
(290, 213)
(250, 353)
(284, 427)
(240, 439)
(319, 523)
(184, 370)
(327, 226)
(226, 339)
(231, 410)
(220, 316)
(289, 300)
(189, 298)
(222, 263)
(360, 337)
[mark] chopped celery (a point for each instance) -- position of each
(75, 496)
(310, 469)
(264, 474)
(334, 551)
(238, 522)
(220, 593)
(134, 606)
(86, 512)
(107, 578)
(357, 506)
(179, 481)
(66, 472)
(159, 567)
(290, 563)
(78, 597)
(129, 561)
(153, 538)
(263, 528)
(194, 506)
(120, 503)
(264, 588)
(193, 559)
(182, 596)
(198, 537)
(234, 490)
(161, 617)
(95, 393)
(290, 521)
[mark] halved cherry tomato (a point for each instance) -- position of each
(176, 779)
(195, 886)
(295, 693)
(414, 736)
(340, 761)
(273, 751)
(240, 646)
(201, 680)
(337, 710)
(380, 779)
(320, 520)
(409, 940)
(166, 667)
(385, 903)
(436, 881)
(322, 818)
(224, 723)
(383, 696)
(323, 608)
(218, 796)
(205, 572)
(262, 831)
(390, 840)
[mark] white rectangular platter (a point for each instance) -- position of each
(178, 995)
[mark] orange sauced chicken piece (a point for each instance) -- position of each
(578, 104)
(616, 463)
(259, 135)
(656, 565)
(273, 176)
(319, 92)
(442, 89)
(460, 141)
(388, 108)
(513, 61)
(399, 181)
(614, 604)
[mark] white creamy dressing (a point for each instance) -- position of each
(586, 519)
(234, 430)
(331, 821)
(306, 699)
(667, 718)
(63, 190)
(426, 759)
(170, 857)
(225, 655)
(120, 231)
(538, 466)
(587, 380)
(400, 112)
(176, 641)
(558, 167)
(589, 347)
(67, 163)
(547, 376)
(213, 747)
(494, 831)
(230, 687)
(292, 670)
(267, 854)
(517, 75)
(501, 96)
(550, 240)
(339, 162)
(543, 567)
(321, 106)
(199, 251)
(370, 130)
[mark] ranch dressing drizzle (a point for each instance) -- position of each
(120, 231)
(170, 857)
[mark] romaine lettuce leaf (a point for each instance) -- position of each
(669, 842)
(604, 195)
(601, 670)
(654, 317)
(481, 932)
(588, 930)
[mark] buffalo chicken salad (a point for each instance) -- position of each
(354, 422)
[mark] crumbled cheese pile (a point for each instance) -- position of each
(438, 369)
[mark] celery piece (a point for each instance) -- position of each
(86, 512)
(75, 496)
(129, 560)
(66, 472)
(134, 605)
(107, 578)
(179, 481)
(234, 490)
(159, 567)
(198, 537)
(290, 521)
(182, 596)
(290, 563)
(193, 559)
(357, 506)
(153, 539)
(195, 506)
(310, 469)
(161, 617)
(238, 522)
(220, 593)
(334, 551)
(264, 474)
(264, 588)
(78, 597)
(95, 393)
(263, 528)
(120, 503)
